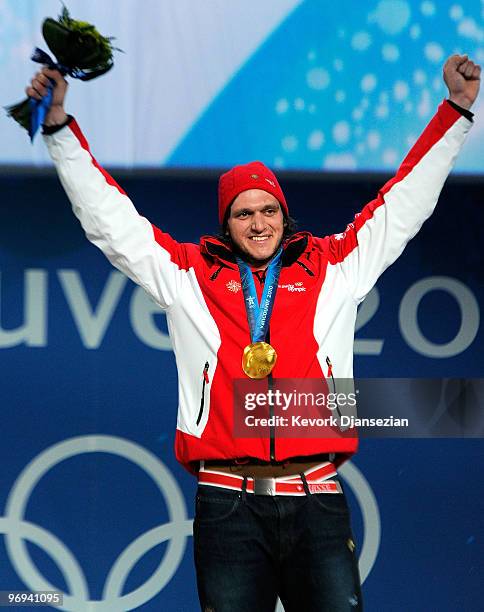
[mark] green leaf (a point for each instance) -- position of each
(20, 112)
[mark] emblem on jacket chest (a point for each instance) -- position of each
(293, 287)
(233, 286)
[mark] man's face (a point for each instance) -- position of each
(256, 225)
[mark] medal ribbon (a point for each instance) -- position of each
(259, 315)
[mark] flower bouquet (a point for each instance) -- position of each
(81, 52)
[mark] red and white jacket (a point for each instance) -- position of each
(322, 281)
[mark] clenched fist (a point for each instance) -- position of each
(463, 78)
(38, 89)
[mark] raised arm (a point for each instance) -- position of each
(148, 256)
(380, 232)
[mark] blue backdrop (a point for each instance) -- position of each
(92, 501)
(336, 85)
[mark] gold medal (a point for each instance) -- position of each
(258, 359)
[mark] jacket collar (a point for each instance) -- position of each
(296, 247)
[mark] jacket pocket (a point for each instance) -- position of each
(204, 383)
(330, 377)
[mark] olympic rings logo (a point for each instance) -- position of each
(18, 530)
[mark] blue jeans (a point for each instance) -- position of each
(249, 549)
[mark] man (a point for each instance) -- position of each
(271, 517)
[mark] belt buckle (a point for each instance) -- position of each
(264, 486)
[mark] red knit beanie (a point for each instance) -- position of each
(254, 175)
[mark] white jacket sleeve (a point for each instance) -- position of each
(146, 255)
(380, 232)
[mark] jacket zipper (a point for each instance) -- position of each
(330, 375)
(272, 435)
(202, 400)
(216, 273)
(310, 272)
(270, 380)
(272, 429)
